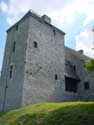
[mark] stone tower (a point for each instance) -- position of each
(34, 63)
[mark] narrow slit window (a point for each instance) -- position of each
(74, 67)
(16, 27)
(56, 76)
(35, 44)
(14, 46)
(11, 72)
(54, 32)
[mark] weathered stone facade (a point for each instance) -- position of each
(78, 60)
(34, 66)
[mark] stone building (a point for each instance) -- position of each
(37, 67)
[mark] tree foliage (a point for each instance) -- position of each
(89, 64)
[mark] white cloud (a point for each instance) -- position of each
(89, 14)
(3, 6)
(18, 8)
(10, 21)
(84, 41)
(63, 12)
(63, 16)
(75, 9)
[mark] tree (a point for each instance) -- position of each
(89, 64)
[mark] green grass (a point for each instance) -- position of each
(73, 113)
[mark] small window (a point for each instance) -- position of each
(86, 85)
(16, 27)
(35, 44)
(10, 71)
(14, 45)
(56, 76)
(74, 67)
(54, 32)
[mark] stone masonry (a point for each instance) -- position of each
(36, 66)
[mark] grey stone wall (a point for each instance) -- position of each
(39, 72)
(11, 89)
(42, 63)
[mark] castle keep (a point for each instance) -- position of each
(37, 67)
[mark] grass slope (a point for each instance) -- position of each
(74, 113)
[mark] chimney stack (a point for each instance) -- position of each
(81, 52)
(46, 19)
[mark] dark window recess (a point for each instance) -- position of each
(74, 68)
(14, 46)
(30, 73)
(11, 72)
(56, 77)
(26, 71)
(86, 85)
(35, 44)
(54, 32)
(6, 86)
(16, 27)
(70, 84)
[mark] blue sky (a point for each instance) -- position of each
(74, 17)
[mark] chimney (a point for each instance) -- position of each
(46, 19)
(81, 52)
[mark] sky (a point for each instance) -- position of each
(74, 17)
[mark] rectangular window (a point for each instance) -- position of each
(10, 71)
(71, 84)
(56, 76)
(14, 46)
(54, 32)
(16, 27)
(86, 85)
(35, 44)
(74, 67)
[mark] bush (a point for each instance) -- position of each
(89, 64)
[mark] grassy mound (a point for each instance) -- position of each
(74, 113)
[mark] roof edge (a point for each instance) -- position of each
(35, 15)
(18, 21)
(75, 51)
